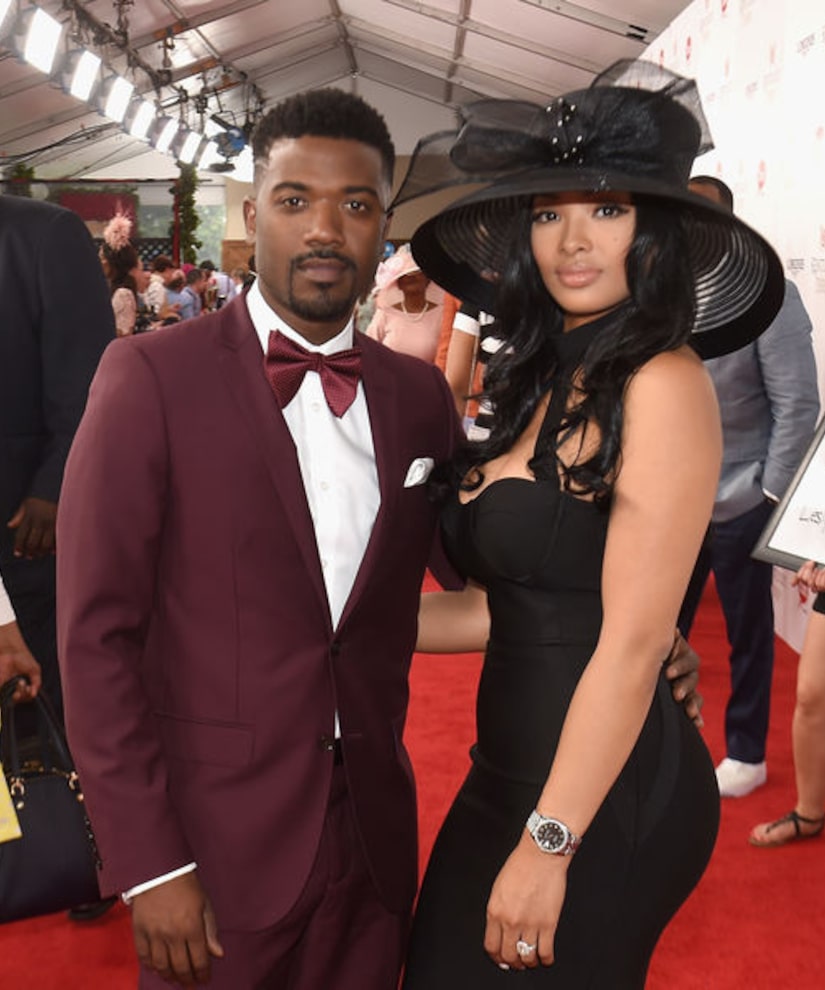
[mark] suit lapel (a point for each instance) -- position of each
(241, 361)
(382, 404)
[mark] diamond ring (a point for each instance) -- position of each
(524, 949)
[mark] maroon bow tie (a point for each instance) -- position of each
(286, 363)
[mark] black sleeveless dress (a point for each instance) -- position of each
(538, 551)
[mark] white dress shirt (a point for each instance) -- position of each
(336, 457)
(337, 462)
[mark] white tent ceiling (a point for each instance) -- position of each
(415, 61)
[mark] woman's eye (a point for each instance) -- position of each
(611, 210)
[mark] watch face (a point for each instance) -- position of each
(551, 836)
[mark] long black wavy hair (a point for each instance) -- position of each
(658, 317)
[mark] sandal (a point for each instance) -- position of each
(793, 817)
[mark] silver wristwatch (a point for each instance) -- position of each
(551, 835)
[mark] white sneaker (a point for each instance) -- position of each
(736, 779)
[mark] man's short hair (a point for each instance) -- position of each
(330, 113)
(194, 275)
(162, 263)
(724, 190)
(207, 265)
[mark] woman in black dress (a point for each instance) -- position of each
(591, 808)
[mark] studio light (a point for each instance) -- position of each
(7, 12)
(115, 94)
(139, 118)
(209, 156)
(187, 146)
(36, 37)
(244, 170)
(79, 73)
(165, 130)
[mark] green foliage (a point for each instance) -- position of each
(211, 231)
(187, 215)
(20, 178)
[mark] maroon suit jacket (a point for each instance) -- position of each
(201, 670)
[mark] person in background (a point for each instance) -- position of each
(15, 656)
(175, 299)
(163, 269)
(408, 307)
(769, 401)
(220, 285)
(806, 819)
(57, 320)
(192, 294)
(124, 272)
(240, 276)
(472, 345)
(591, 808)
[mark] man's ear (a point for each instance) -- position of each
(250, 219)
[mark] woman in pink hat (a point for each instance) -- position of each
(408, 307)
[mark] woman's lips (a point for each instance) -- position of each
(577, 278)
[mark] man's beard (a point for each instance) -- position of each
(322, 307)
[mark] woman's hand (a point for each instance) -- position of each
(811, 576)
(524, 906)
(16, 659)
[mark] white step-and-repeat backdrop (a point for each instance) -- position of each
(760, 68)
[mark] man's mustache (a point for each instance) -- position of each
(323, 255)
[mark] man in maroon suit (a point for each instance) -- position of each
(244, 529)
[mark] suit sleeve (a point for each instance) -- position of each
(439, 563)
(788, 367)
(76, 325)
(110, 527)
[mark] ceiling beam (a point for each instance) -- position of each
(485, 31)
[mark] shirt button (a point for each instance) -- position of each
(324, 486)
(315, 406)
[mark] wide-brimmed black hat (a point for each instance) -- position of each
(637, 129)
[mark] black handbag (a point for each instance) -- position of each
(53, 866)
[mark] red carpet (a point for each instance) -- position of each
(754, 923)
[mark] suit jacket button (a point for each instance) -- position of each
(327, 743)
(335, 648)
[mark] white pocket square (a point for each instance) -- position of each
(419, 471)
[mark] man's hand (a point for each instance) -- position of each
(175, 931)
(682, 670)
(15, 659)
(35, 524)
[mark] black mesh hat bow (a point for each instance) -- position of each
(637, 129)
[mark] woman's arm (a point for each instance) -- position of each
(377, 328)
(663, 497)
(124, 306)
(458, 369)
(453, 621)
